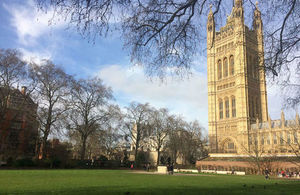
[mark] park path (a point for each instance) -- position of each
(175, 174)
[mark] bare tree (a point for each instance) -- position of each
(88, 111)
(174, 142)
(186, 141)
(111, 135)
(12, 71)
(17, 110)
(160, 126)
(164, 36)
(137, 123)
(51, 91)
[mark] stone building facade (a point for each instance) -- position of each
(237, 97)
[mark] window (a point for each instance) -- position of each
(251, 107)
(250, 140)
(268, 139)
(231, 146)
(255, 140)
(249, 65)
(274, 138)
(225, 67)
(227, 108)
(231, 62)
(281, 138)
(295, 138)
(262, 139)
(221, 109)
(219, 69)
(233, 109)
(255, 68)
(288, 138)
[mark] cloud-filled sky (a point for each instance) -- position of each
(23, 27)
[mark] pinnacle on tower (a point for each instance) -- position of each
(238, 3)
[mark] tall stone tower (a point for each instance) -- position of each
(236, 80)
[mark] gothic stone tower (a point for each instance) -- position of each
(237, 94)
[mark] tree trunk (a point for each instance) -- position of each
(82, 155)
(158, 156)
(136, 150)
(44, 145)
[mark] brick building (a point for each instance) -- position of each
(18, 124)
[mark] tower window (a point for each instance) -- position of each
(250, 66)
(233, 109)
(250, 140)
(281, 138)
(225, 67)
(274, 138)
(221, 109)
(262, 139)
(231, 62)
(288, 140)
(268, 139)
(219, 69)
(227, 108)
(295, 138)
(252, 108)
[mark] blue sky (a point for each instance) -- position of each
(25, 28)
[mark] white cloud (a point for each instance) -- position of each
(30, 23)
(184, 97)
(36, 56)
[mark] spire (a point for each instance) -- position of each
(210, 11)
(210, 20)
(210, 27)
(282, 119)
(269, 121)
(238, 3)
(257, 22)
(297, 119)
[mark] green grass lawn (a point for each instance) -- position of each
(126, 182)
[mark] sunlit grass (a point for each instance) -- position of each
(127, 182)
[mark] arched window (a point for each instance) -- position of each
(295, 137)
(268, 139)
(225, 67)
(219, 69)
(227, 108)
(231, 62)
(249, 65)
(288, 137)
(254, 68)
(233, 107)
(221, 109)
(262, 139)
(274, 138)
(229, 146)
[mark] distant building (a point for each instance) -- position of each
(18, 124)
(239, 123)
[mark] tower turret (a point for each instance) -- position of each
(239, 11)
(260, 66)
(210, 28)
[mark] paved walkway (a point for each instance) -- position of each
(176, 174)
